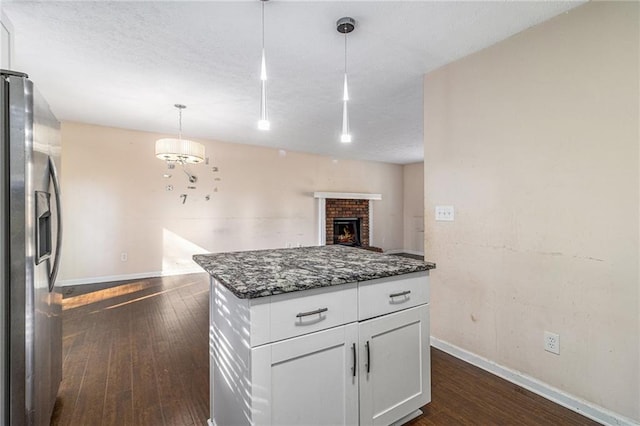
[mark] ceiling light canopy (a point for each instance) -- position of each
(179, 150)
(345, 26)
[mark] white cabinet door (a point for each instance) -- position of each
(307, 380)
(394, 365)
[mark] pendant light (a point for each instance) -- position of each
(179, 150)
(263, 123)
(345, 26)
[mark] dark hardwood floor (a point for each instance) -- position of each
(462, 394)
(137, 354)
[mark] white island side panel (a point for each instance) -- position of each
(230, 349)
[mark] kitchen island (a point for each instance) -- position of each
(328, 335)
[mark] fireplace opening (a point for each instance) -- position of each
(346, 231)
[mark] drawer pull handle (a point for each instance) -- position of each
(316, 312)
(366, 345)
(353, 350)
(402, 293)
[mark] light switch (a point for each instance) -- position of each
(445, 213)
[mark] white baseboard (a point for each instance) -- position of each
(417, 253)
(579, 405)
(126, 277)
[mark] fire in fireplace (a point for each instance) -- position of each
(346, 231)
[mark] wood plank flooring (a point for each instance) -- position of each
(462, 394)
(137, 354)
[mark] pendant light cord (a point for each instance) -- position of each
(180, 123)
(345, 53)
(263, 25)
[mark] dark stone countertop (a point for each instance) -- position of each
(259, 273)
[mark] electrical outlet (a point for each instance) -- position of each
(445, 213)
(552, 342)
(124, 256)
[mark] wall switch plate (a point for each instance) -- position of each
(124, 256)
(445, 213)
(552, 342)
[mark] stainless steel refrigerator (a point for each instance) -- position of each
(31, 234)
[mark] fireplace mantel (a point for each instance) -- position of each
(323, 196)
(347, 195)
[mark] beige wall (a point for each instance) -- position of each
(115, 201)
(414, 208)
(535, 143)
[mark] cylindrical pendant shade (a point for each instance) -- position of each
(345, 137)
(180, 150)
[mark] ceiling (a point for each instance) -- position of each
(125, 64)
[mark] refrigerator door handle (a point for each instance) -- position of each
(56, 189)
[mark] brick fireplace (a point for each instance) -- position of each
(345, 206)
(346, 209)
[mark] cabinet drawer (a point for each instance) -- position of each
(386, 295)
(298, 313)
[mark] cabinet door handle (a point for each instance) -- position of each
(316, 312)
(366, 345)
(402, 293)
(353, 350)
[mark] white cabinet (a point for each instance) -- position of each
(277, 359)
(395, 377)
(353, 354)
(307, 380)
(391, 294)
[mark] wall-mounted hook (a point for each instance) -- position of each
(169, 187)
(184, 198)
(207, 197)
